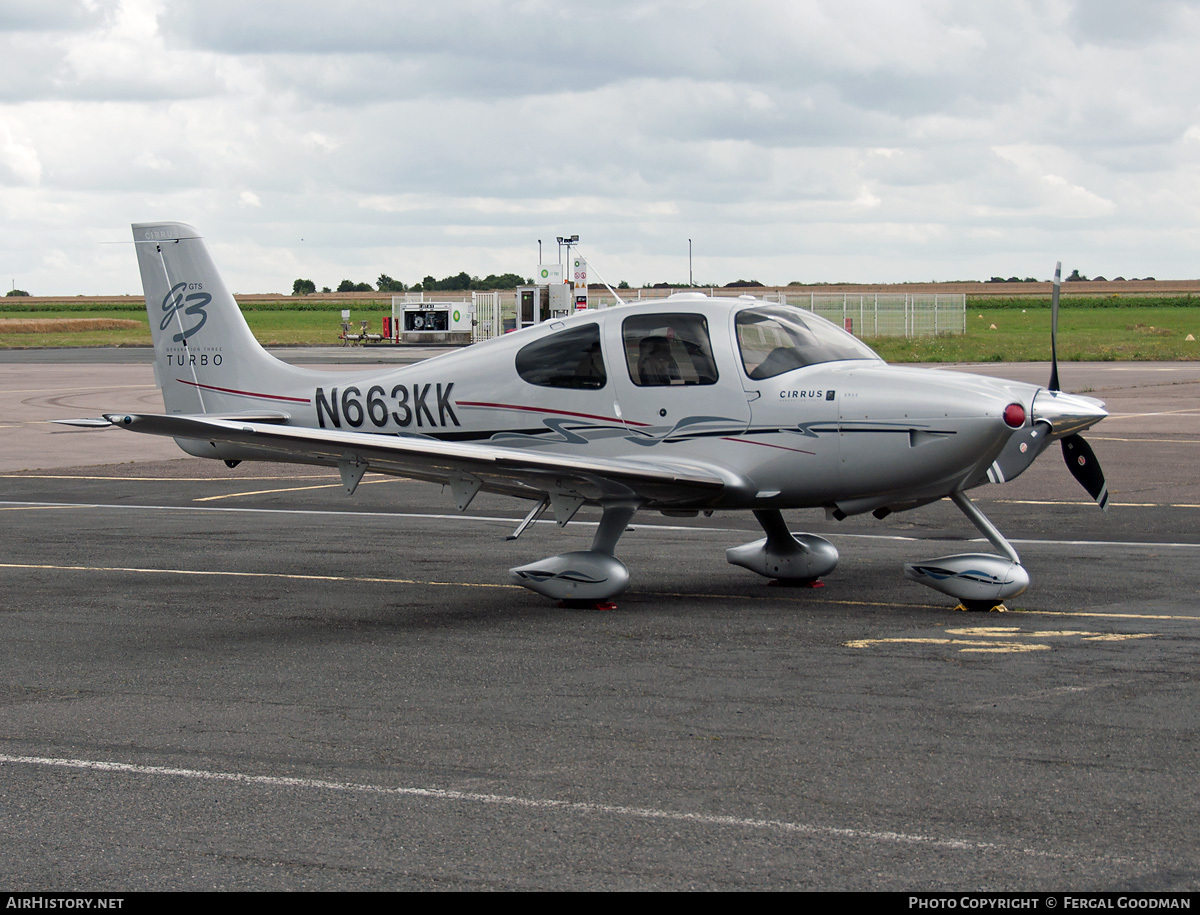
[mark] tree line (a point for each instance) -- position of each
(464, 282)
(460, 282)
(1075, 277)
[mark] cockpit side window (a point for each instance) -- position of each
(570, 358)
(774, 339)
(669, 349)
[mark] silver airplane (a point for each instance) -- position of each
(691, 404)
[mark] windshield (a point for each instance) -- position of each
(774, 339)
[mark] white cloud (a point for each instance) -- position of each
(19, 160)
(48, 15)
(886, 142)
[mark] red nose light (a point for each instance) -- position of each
(1014, 415)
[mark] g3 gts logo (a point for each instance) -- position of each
(173, 303)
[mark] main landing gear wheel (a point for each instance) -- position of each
(587, 578)
(792, 560)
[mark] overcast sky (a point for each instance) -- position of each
(857, 140)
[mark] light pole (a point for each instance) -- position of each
(567, 240)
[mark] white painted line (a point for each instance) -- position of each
(551, 804)
(635, 526)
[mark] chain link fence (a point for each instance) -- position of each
(886, 315)
(864, 315)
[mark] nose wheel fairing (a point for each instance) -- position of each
(979, 580)
(974, 578)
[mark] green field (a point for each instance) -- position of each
(1151, 329)
(1084, 335)
(271, 327)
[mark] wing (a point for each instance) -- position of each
(466, 466)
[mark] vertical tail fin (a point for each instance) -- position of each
(206, 358)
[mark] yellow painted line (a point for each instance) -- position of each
(1086, 635)
(1042, 502)
(1157, 505)
(1118, 637)
(801, 595)
(814, 597)
(399, 581)
(1097, 614)
(1165, 441)
(964, 645)
(806, 596)
(262, 492)
(276, 575)
(1000, 639)
(1089, 502)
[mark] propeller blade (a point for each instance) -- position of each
(1084, 467)
(1054, 328)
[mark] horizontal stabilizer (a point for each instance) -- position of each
(275, 417)
(91, 422)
